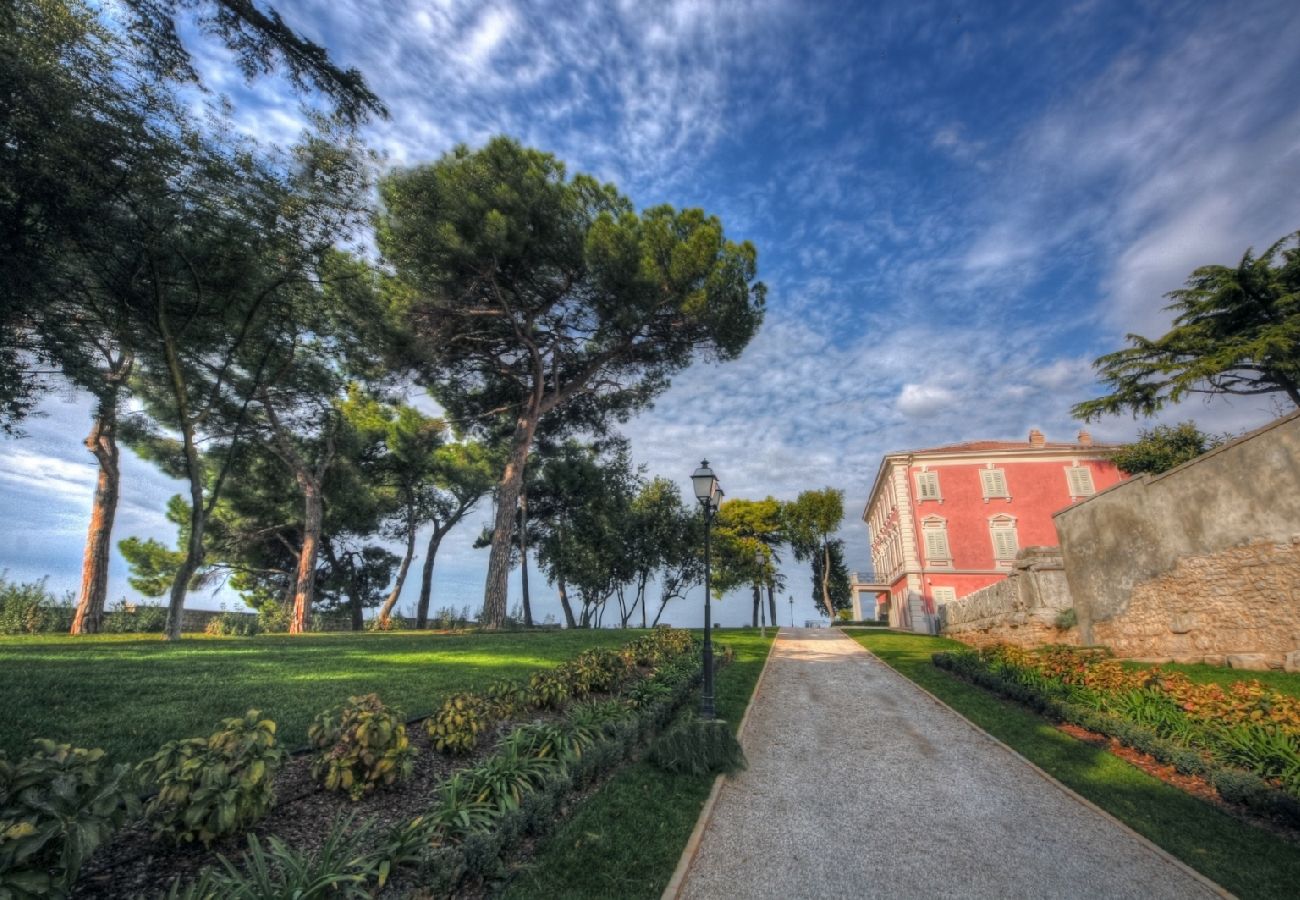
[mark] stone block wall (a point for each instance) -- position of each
(1200, 563)
(1022, 609)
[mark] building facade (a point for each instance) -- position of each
(947, 521)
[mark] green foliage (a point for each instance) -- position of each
(698, 747)
(56, 806)
(214, 786)
(502, 780)
(1067, 618)
(153, 565)
(272, 617)
(549, 689)
(230, 624)
(31, 608)
(836, 585)
(458, 724)
(1163, 447)
(140, 618)
(360, 745)
(1236, 331)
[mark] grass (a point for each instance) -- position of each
(1248, 861)
(626, 839)
(130, 694)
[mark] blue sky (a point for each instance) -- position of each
(957, 207)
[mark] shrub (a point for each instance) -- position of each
(230, 624)
(31, 608)
(272, 618)
(392, 623)
(506, 698)
(502, 780)
(698, 747)
(56, 807)
(214, 786)
(551, 741)
(549, 689)
(1067, 618)
(138, 619)
(455, 728)
(360, 744)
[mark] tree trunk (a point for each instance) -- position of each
(194, 546)
(758, 601)
(564, 601)
(771, 603)
(426, 579)
(386, 610)
(512, 479)
(102, 443)
(305, 580)
(641, 597)
(826, 580)
(523, 554)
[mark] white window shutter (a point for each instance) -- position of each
(1004, 543)
(1080, 478)
(936, 544)
(927, 485)
(995, 482)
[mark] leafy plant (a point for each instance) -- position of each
(31, 608)
(506, 698)
(455, 728)
(230, 624)
(502, 780)
(214, 786)
(698, 747)
(549, 689)
(56, 806)
(551, 741)
(360, 744)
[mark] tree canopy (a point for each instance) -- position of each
(1163, 447)
(1236, 331)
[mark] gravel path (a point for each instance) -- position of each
(860, 785)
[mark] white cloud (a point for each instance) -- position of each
(924, 401)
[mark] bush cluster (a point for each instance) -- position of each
(31, 608)
(1241, 739)
(214, 786)
(56, 807)
(230, 624)
(359, 745)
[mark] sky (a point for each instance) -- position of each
(957, 207)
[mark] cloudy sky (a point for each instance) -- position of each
(957, 207)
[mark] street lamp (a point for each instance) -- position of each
(760, 561)
(791, 612)
(709, 494)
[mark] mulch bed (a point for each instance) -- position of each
(133, 862)
(1193, 784)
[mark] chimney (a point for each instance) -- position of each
(1085, 439)
(1036, 438)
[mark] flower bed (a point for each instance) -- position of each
(1244, 739)
(557, 734)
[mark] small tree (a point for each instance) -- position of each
(832, 580)
(1162, 448)
(537, 295)
(1236, 331)
(811, 521)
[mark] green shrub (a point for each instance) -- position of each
(506, 698)
(359, 745)
(457, 725)
(549, 689)
(31, 608)
(502, 780)
(230, 624)
(56, 807)
(272, 618)
(138, 619)
(551, 741)
(698, 747)
(1067, 618)
(214, 786)
(392, 623)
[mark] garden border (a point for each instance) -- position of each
(674, 887)
(1142, 840)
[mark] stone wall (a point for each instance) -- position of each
(1201, 563)
(1024, 608)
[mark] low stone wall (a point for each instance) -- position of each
(1022, 609)
(1200, 563)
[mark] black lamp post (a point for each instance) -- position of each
(709, 494)
(791, 612)
(760, 560)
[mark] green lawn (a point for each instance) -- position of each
(129, 694)
(625, 841)
(1245, 860)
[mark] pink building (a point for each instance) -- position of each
(947, 521)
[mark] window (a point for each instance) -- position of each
(1002, 529)
(995, 483)
(936, 542)
(945, 595)
(1080, 480)
(927, 485)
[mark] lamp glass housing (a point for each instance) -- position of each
(704, 482)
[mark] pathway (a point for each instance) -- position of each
(860, 785)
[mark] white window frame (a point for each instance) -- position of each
(934, 527)
(1085, 474)
(948, 595)
(926, 480)
(998, 490)
(1002, 526)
